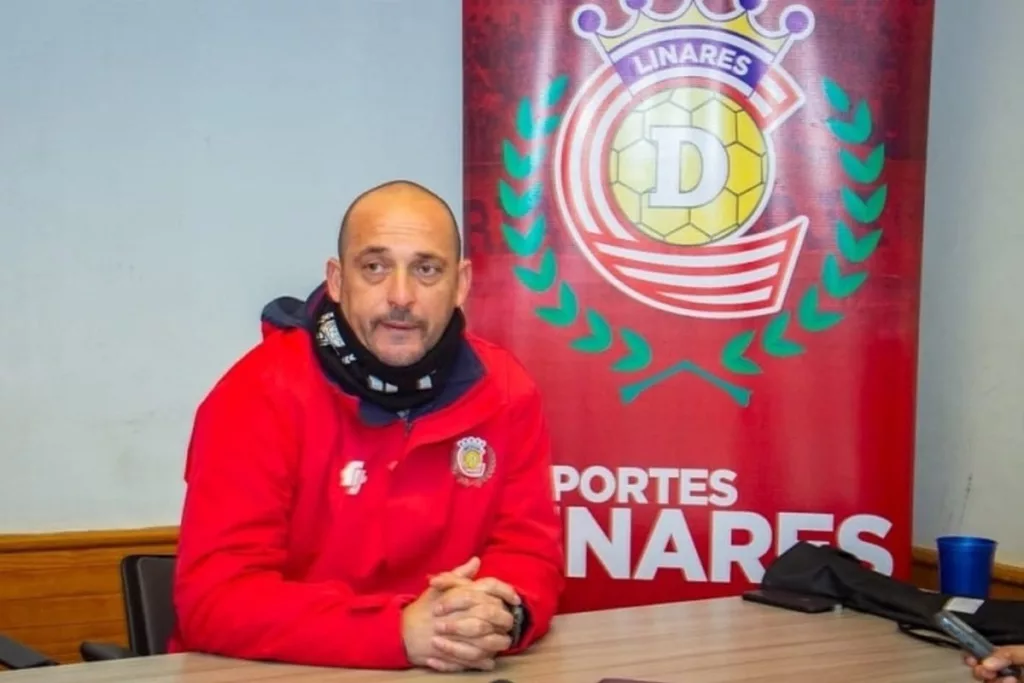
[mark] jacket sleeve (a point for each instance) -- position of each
(525, 548)
(231, 595)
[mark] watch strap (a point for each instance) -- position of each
(520, 622)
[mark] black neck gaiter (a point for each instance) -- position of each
(357, 371)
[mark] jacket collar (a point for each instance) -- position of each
(468, 398)
(468, 371)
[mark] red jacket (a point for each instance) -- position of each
(308, 524)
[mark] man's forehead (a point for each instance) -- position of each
(399, 226)
(400, 223)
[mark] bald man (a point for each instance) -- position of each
(370, 486)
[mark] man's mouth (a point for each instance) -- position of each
(402, 327)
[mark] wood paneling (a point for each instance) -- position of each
(57, 590)
(1007, 580)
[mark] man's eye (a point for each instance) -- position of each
(374, 268)
(429, 270)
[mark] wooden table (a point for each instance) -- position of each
(694, 642)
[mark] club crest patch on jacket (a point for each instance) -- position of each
(472, 461)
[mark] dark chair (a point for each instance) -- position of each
(15, 655)
(147, 582)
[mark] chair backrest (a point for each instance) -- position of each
(148, 582)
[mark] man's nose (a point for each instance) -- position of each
(401, 289)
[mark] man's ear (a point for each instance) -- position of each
(465, 281)
(333, 278)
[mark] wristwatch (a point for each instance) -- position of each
(520, 621)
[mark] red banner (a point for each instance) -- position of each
(698, 224)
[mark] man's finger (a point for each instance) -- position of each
(447, 581)
(983, 674)
(444, 666)
(464, 573)
(494, 643)
(461, 599)
(477, 621)
(995, 664)
(455, 602)
(490, 586)
(498, 589)
(466, 627)
(469, 569)
(467, 654)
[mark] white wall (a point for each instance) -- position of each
(154, 157)
(970, 450)
(166, 167)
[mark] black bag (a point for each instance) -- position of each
(840, 576)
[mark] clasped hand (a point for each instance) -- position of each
(988, 670)
(459, 622)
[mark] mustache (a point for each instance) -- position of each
(401, 316)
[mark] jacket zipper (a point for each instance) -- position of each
(468, 396)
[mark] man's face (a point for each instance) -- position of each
(399, 278)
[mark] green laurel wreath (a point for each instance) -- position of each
(524, 228)
(811, 314)
(532, 128)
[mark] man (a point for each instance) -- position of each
(988, 670)
(370, 486)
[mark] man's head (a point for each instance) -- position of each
(399, 274)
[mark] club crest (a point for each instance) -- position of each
(472, 461)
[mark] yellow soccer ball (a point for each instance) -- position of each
(688, 166)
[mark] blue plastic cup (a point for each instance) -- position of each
(965, 565)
